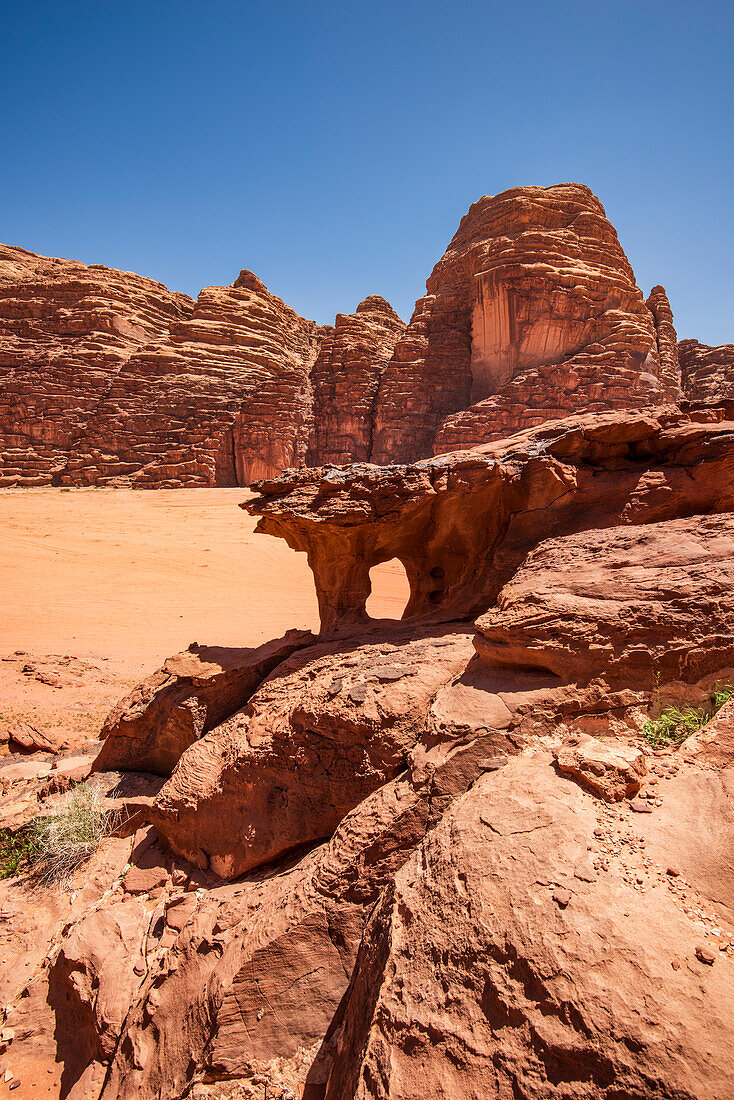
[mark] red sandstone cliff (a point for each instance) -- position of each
(531, 315)
(66, 332)
(346, 375)
(222, 400)
(707, 373)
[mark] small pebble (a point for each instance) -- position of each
(705, 954)
(640, 806)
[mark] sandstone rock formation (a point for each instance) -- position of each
(345, 379)
(462, 523)
(430, 858)
(110, 376)
(582, 603)
(499, 963)
(194, 691)
(667, 340)
(324, 731)
(66, 332)
(531, 315)
(222, 400)
(707, 373)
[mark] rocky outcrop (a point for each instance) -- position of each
(222, 400)
(66, 332)
(461, 524)
(345, 377)
(194, 691)
(707, 373)
(324, 731)
(435, 858)
(501, 963)
(581, 605)
(533, 313)
(670, 371)
(109, 376)
(438, 883)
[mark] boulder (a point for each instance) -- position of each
(319, 735)
(193, 692)
(636, 605)
(610, 769)
(496, 965)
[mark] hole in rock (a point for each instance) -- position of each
(390, 590)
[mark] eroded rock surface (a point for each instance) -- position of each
(66, 332)
(327, 728)
(345, 378)
(707, 373)
(221, 399)
(644, 604)
(533, 313)
(497, 965)
(193, 692)
(461, 524)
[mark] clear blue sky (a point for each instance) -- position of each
(333, 147)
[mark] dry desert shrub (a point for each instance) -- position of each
(64, 841)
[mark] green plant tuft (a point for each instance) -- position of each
(674, 724)
(16, 852)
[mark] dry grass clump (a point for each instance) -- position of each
(64, 841)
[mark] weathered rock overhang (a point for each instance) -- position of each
(461, 523)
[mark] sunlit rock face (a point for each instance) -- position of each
(512, 331)
(532, 313)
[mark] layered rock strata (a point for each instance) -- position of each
(345, 378)
(707, 373)
(667, 339)
(583, 602)
(532, 313)
(66, 333)
(462, 523)
(222, 400)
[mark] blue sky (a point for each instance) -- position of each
(333, 147)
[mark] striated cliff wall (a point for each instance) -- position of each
(532, 314)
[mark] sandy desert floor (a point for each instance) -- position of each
(98, 586)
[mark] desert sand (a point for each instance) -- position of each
(99, 586)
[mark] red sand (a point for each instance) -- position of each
(119, 579)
